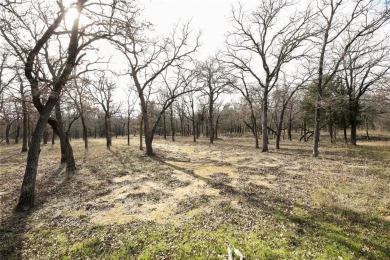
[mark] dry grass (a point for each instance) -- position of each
(214, 184)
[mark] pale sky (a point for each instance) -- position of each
(209, 16)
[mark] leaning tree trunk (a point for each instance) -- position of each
(255, 129)
(165, 126)
(66, 148)
(148, 135)
(27, 193)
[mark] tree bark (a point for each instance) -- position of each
(140, 134)
(264, 122)
(172, 124)
(45, 136)
(193, 122)
(211, 120)
(66, 148)
(107, 124)
(17, 134)
(128, 129)
(7, 132)
(345, 134)
(25, 125)
(289, 131)
(27, 193)
(165, 127)
(85, 132)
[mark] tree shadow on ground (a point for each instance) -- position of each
(14, 225)
(332, 228)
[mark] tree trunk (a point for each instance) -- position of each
(280, 126)
(45, 136)
(140, 134)
(66, 148)
(193, 122)
(28, 131)
(27, 193)
(17, 134)
(211, 120)
(278, 135)
(128, 129)
(316, 137)
(289, 130)
(353, 115)
(331, 133)
(165, 126)
(59, 129)
(85, 132)
(53, 137)
(25, 125)
(264, 122)
(367, 136)
(7, 131)
(107, 124)
(172, 124)
(147, 133)
(216, 128)
(345, 134)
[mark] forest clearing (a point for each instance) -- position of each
(193, 200)
(184, 130)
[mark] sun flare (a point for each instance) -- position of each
(70, 16)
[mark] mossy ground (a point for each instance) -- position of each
(192, 201)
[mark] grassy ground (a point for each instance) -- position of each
(194, 200)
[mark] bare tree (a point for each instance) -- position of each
(340, 24)
(366, 65)
(80, 97)
(40, 23)
(215, 80)
(102, 91)
(284, 93)
(131, 102)
(262, 37)
(248, 92)
(149, 58)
